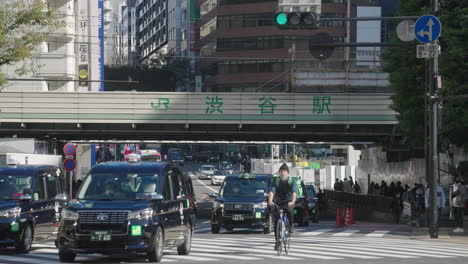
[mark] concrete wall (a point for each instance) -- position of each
(83, 160)
(374, 163)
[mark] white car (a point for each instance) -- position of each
(206, 171)
(218, 177)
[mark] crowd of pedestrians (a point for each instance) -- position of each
(346, 185)
(416, 197)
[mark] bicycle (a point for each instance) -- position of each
(282, 232)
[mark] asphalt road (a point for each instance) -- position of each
(318, 243)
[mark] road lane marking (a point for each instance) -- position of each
(207, 186)
(262, 249)
(190, 257)
(316, 232)
(378, 233)
(223, 256)
(346, 233)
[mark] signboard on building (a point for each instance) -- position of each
(83, 46)
(300, 6)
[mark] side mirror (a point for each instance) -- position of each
(157, 198)
(213, 195)
(61, 197)
(25, 198)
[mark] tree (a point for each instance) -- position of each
(24, 24)
(453, 65)
(163, 73)
(408, 75)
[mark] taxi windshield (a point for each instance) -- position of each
(125, 186)
(243, 188)
(13, 186)
(150, 157)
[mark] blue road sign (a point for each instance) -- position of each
(69, 149)
(69, 164)
(427, 29)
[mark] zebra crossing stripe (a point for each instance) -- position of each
(378, 233)
(25, 260)
(310, 250)
(316, 232)
(273, 256)
(406, 243)
(223, 256)
(346, 233)
(189, 257)
(265, 249)
(391, 249)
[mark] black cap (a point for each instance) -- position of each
(284, 167)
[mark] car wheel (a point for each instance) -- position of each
(24, 244)
(66, 255)
(215, 229)
(267, 229)
(155, 255)
(184, 249)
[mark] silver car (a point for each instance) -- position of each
(218, 177)
(206, 171)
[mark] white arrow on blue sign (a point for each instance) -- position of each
(427, 29)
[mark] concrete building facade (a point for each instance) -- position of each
(71, 55)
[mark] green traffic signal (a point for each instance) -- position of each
(281, 19)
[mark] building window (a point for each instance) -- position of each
(207, 28)
(206, 7)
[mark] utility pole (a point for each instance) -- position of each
(433, 150)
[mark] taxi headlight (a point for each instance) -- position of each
(262, 205)
(11, 213)
(142, 214)
(69, 215)
(218, 204)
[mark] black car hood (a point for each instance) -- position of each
(241, 199)
(108, 205)
(8, 204)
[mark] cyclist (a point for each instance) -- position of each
(283, 192)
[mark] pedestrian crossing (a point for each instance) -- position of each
(258, 248)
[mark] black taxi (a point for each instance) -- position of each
(30, 202)
(128, 207)
(242, 203)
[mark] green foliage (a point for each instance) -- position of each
(24, 24)
(408, 75)
(453, 69)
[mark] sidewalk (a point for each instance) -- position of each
(446, 234)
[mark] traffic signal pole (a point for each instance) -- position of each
(432, 159)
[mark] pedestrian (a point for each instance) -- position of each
(440, 202)
(420, 201)
(376, 189)
(336, 186)
(397, 207)
(457, 199)
(351, 182)
(383, 188)
(347, 185)
(370, 188)
(356, 187)
(400, 188)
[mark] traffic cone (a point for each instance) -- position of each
(348, 217)
(339, 217)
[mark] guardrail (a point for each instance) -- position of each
(357, 200)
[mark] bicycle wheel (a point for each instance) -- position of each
(286, 237)
(279, 237)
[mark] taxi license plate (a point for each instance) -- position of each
(101, 236)
(238, 217)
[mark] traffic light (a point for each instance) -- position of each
(297, 20)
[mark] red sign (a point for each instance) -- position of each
(69, 149)
(69, 164)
